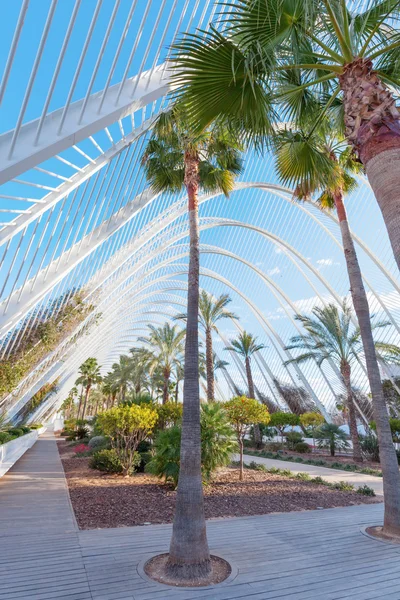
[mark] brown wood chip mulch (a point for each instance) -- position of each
(102, 500)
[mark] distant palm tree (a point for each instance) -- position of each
(166, 346)
(141, 358)
(330, 335)
(180, 157)
(122, 374)
(246, 345)
(332, 437)
(211, 310)
(89, 375)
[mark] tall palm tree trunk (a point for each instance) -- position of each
(80, 404)
(373, 128)
(390, 469)
(189, 555)
(345, 371)
(165, 394)
(250, 383)
(210, 366)
(86, 400)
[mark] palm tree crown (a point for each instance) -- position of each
(173, 140)
(245, 345)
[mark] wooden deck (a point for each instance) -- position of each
(311, 555)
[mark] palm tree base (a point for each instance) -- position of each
(210, 572)
(383, 534)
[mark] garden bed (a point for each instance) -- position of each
(102, 500)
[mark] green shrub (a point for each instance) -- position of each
(302, 447)
(217, 446)
(370, 447)
(365, 490)
(99, 442)
(16, 431)
(293, 438)
(318, 480)
(36, 425)
(6, 437)
(108, 461)
(298, 459)
(257, 466)
(165, 460)
(337, 465)
(274, 446)
(304, 476)
(25, 429)
(82, 432)
(343, 486)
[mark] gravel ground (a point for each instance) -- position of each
(101, 500)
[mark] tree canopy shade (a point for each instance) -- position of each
(285, 60)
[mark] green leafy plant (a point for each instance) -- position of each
(127, 426)
(302, 447)
(243, 412)
(365, 490)
(303, 476)
(6, 437)
(106, 460)
(332, 437)
(343, 486)
(166, 455)
(99, 442)
(281, 420)
(293, 438)
(168, 414)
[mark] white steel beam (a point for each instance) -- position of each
(26, 152)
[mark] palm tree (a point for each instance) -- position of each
(330, 335)
(166, 345)
(110, 388)
(211, 310)
(179, 158)
(277, 60)
(141, 358)
(246, 345)
(122, 374)
(89, 375)
(332, 437)
(280, 60)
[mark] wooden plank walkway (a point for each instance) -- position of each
(314, 555)
(331, 475)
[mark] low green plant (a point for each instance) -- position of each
(302, 447)
(318, 480)
(293, 438)
(6, 437)
(107, 461)
(343, 486)
(99, 442)
(303, 476)
(365, 490)
(331, 436)
(298, 459)
(257, 466)
(370, 447)
(16, 431)
(166, 455)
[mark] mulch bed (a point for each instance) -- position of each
(102, 500)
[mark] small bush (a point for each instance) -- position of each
(304, 476)
(370, 447)
(256, 466)
(107, 461)
(286, 472)
(25, 429)
(6, 437)
(302, 447)
(343, 486)
(15, 432)
(365, 490)
(320, 463)
(36, 425)
(293, 438)
(165, 461)
(298, 459)
(99, 442)
(82, 432)
(337, 465)
(274, 446)
(318, 480)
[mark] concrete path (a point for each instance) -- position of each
(310, 555)
(331, 475)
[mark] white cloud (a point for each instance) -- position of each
(326, 262)
(274, 271)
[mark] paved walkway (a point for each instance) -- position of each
(311, 555)
(331, 475)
